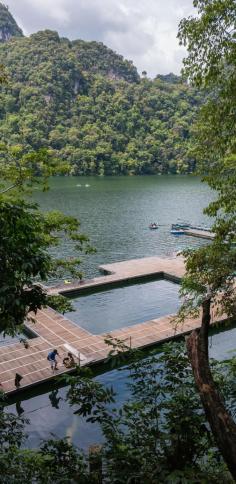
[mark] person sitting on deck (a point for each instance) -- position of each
(69, 361)
(52, 358)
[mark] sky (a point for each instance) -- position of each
(143, 31)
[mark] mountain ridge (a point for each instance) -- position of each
(8, 25)
(89, 105)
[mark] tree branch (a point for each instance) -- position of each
(8, 189)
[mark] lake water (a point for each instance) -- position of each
(115, 212)
(108, 310)
(6, 339)
(51, 416)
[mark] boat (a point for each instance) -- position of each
(153, 226)
(177, 232)
(179, 228)
(181, 225)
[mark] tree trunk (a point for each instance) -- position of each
(222, 425)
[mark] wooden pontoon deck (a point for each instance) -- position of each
(54, 330)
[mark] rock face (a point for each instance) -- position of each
(8, 26)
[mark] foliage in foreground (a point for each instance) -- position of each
(209, 284)
(159, 434)
(28, 236)
(209, 37)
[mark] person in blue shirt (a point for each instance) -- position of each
(52, 358)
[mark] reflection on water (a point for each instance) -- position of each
(51, 416)
(54, 398)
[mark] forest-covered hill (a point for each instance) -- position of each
(8, 25)
(91, 107)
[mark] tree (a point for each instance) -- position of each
(211, 63)
(88, 105)
(160, 433)
(26, 235)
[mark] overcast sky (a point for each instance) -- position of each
(141, 30)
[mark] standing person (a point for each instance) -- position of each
(18, 379)
(52, 358)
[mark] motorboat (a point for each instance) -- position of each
(153, 226)
(177, 232)
(179, 228)
(181, 225)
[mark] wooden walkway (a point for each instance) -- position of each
(126, 271)
(54, 330)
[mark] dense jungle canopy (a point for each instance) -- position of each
(91, 107)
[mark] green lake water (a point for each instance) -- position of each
(115, 213)
(108, 310)
(50, 415)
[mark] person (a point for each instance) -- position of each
(18, 378)
(52, 358)
(69, 361)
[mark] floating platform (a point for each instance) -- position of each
(118, 273)
(201, 234)
(52, 330)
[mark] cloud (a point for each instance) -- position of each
(143, 31)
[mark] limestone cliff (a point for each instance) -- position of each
(8, 25)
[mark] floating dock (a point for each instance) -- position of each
(51, 329)
(201, 234)
(125, 272)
